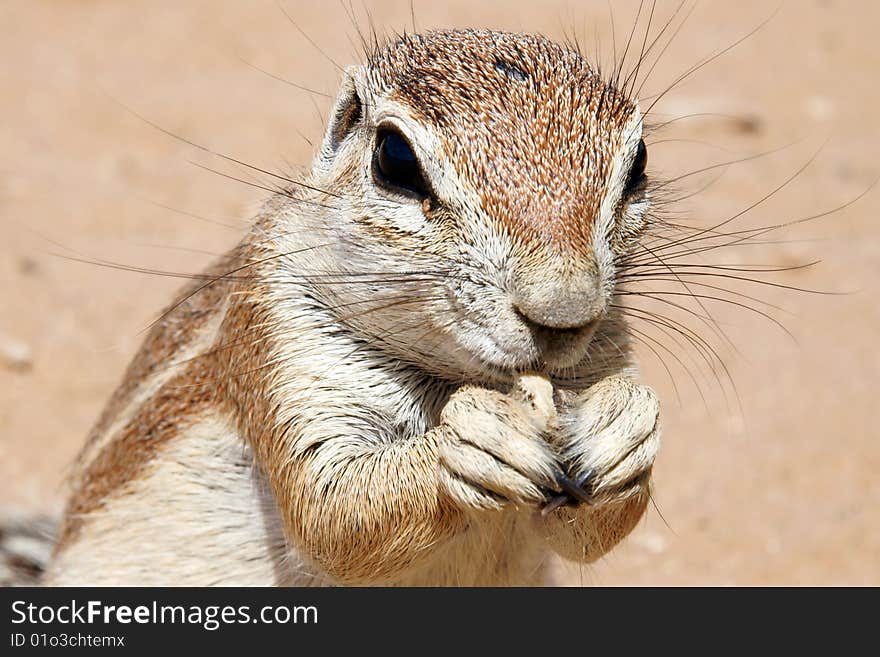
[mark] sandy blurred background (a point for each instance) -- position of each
(784, 490)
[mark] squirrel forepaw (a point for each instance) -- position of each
(494, 450)
(609, 437)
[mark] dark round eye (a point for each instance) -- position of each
(395, 165)
(637, 172)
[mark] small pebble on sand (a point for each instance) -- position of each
(15, 354)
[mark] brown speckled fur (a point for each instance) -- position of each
(529, 138)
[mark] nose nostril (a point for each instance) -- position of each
(546, 328)
(521, 315)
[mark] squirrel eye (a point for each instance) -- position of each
(396, 166)
(637, 172)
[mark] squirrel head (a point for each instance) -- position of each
(503, 170)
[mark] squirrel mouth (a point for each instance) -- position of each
(551, 349)
(517, 342)
(562, 347)
(556, 343)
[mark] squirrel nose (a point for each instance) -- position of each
(542, 328)
(558, 305)
(557, 326)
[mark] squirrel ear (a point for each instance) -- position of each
(347, 111)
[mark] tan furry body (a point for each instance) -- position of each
(323, 406)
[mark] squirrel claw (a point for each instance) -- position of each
(574, 492)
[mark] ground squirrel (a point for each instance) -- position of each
(409, 371)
